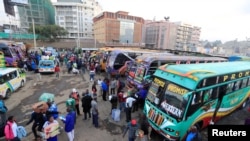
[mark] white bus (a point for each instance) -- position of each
(10, 80)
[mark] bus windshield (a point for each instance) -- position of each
(139, 74)
(171, 100)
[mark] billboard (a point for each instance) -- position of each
(19, 2)
(9, 8)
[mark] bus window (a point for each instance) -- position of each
(248, 82)
(197, 98)
(236, 85)
(230, 87)
(244, 83)
(152, 68)
(13, 75)
(207, 96)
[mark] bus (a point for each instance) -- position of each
(184, 95)
(10, 80)
(118, 58)
(11, 58)
(147, 64)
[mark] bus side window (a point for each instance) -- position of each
(248, 82)
(197, 98)
(236, 85)
(244, 83)
(230, 87)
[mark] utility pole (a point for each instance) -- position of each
(34, 33)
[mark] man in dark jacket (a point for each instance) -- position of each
(86, 105)
(39, 119)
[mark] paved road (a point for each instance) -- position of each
(21, 101)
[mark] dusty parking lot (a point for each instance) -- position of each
(20, 106)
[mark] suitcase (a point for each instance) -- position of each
(40, 107)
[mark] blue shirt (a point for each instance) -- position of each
(104, 86)
(190, 136)
(69, 122)
(143, 93)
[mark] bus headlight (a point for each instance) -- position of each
(177, 133)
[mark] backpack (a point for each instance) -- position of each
(21, 132)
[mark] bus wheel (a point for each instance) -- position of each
(22, 83)
(8, 94)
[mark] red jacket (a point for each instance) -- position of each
(57, 69)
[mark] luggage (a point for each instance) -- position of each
(116, 114)
(40, 107)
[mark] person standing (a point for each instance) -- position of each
(10, 130)
(113, 85)
(86, 105)
(121, 100)
(69, 122)
(75, 94)
(144, 126)
(132, 128)
(104, 90)
(95, 112)
(129, 103)
(57, 70)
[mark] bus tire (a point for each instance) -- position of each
(22, 83)
(8, 94)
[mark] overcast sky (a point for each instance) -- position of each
(219, 19)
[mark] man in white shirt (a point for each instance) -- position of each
(129, 103)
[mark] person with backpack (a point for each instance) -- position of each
(132, 128)
(10, 130)
(193, 134)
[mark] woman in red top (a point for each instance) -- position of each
(57, 70)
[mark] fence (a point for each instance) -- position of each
(16, 36)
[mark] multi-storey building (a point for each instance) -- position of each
(76, 16)
(170, 35)
(118, 28)
(160, 34)
(41, 11)
(187, 37)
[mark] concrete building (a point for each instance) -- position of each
(160, 34)
(118, 28)
(187, 36)
(171, 35)
(76, 16)
(41, 11)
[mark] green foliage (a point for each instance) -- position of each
(49, 32)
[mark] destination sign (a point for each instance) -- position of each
(159, 82)
(176, 89)
(233, 76)
(171, 109)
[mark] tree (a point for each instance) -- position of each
(49, 32)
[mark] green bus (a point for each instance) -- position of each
(195, 94)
